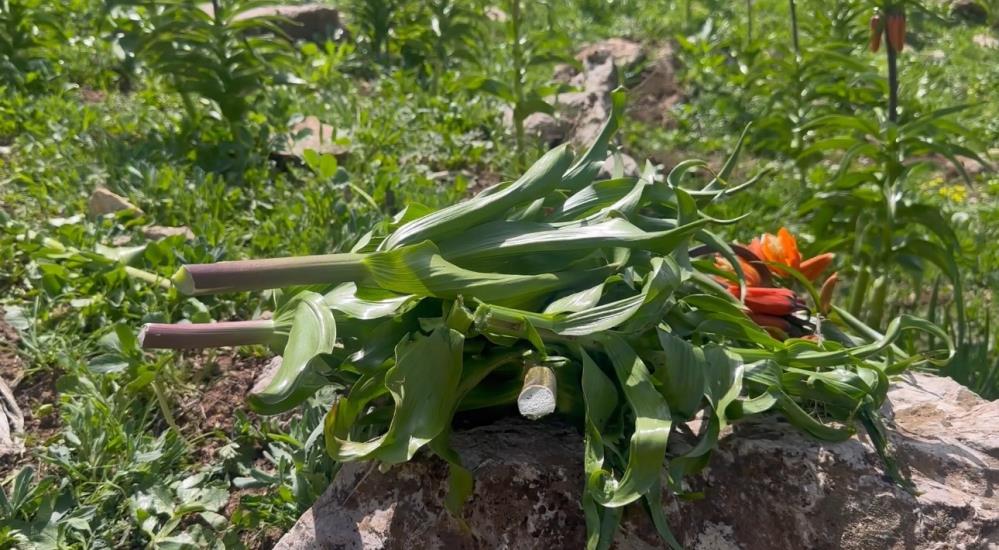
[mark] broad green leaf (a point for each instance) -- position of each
(313, 333)
(539, 180)
(424, 403)
(647, 448)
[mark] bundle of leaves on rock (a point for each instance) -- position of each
(610, 302)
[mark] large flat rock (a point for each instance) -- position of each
(768, 487)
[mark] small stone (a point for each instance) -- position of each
(985, 41)
(629, 166)
(624, 53)
(157, 232)
(311, 133)
(102, 202)
(495, 14)
(11, 422)
(936, 55)
(551, 130)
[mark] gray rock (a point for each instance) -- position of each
(549, 129)
(157, 232)
(581, 113)
(102, 201)
(311, 22)
(985, 41)
(768, 487)
(311, 133)
(11, 422)
(629, 167)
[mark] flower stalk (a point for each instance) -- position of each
(236, 276)
(208, 335)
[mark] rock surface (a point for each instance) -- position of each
(580, 114)
(985, 41)
(103, 201)
(311, 133)
(157, 232)
(768, 487)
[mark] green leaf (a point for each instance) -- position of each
(538, 181)
(647, 448)
(313, 333)
(681, 375)
(423, 404)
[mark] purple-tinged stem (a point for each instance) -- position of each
(206, 335)
(269, 273)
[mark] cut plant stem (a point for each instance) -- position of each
(207, 335)
(537, 398)
(148, 277)
(269, 273)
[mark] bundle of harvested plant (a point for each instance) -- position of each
(601, 300)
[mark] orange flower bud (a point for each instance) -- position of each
(770, 301)
(752, 275)
(896, 31)
(876, 32)
(813, 267)
(772, 322)
(826, 294)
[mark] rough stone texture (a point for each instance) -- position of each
(985, 41)
(157, 232)
(768, 487)
(11, 422)
(311, 133)
(102, 201)
(315, 22)
(580, 114)
(629, 166)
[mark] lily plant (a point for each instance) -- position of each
(612, 302)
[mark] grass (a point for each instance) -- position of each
(128, 449)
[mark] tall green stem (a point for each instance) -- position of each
(892, 79)
(749, 22)
(517, 54)
(794, 28)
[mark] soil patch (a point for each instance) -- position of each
(11, 369)
(31, 392)
(224, 381)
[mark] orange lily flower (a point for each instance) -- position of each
(782, 248)
(814, 266)
(752, 275)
